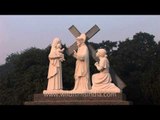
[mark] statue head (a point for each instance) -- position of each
(81, 39)
(101, 53)
(56, 43)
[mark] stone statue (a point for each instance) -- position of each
(82, 72)
(102, 80)
(55, 68)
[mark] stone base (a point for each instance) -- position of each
(79, 99)
(79, 103)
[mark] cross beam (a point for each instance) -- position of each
(89, 34)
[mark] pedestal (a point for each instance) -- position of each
(79, 99)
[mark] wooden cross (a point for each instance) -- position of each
(89, 35)
(76, 33)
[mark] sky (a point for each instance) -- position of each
(19, 32)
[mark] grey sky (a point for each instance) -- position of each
(24, 31)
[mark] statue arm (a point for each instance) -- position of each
(82, 54)
(79, 56)
(101, 65)
(54, 56)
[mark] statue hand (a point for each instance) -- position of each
(75, 53)
(63, 49)
(96, 64)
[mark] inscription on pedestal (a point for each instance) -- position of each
(79, 99)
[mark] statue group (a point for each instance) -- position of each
(101, 82)
(102, 88)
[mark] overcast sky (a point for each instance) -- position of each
(19, 32)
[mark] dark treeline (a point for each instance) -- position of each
(136, 61)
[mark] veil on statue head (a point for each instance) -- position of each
(55, 42)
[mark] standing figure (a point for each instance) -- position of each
(82, 72)
(102, 80)
(55, 67)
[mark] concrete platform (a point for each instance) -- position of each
(79, 99)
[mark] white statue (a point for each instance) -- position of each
(102, 81)
(82, 73)
(55, 67)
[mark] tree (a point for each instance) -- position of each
(134, 61)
